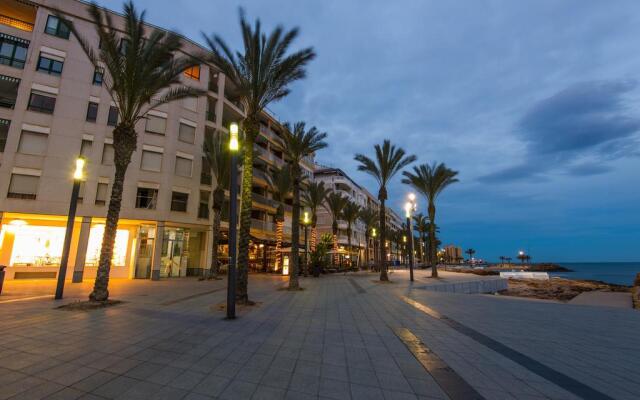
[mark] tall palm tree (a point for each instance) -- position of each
(313, 198)
(135, 87)
(216, 152)
(422, 227)
(281, 184)
(388, 161)
(431, 180)
(470, 252)
(334, 204)
(369, 218)
(299, 143)
(350, 213)
(260, 74)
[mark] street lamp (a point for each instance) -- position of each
(78, 176)
(375, 247)
(234, 146)
(306, 221)
(410, 206)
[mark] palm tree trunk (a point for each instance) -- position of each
(366, 251)
(383, 267)
(349, 243)
(279, 234)
(314, 235)
(218, 200)
(433, 252)
(125, 138)
(242, 296)
(295, 235)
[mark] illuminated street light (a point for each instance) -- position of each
(234, 146)
(410, 206)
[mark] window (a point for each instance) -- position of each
(205, 174)
(33, 143)
(112, 119)
(107, 154)
(101, 193)
(92, 112)
(8, 91)
(146, 198)
(203, 207)
(23, 186)
(13, 51)
(98, 76)
(49, 65)
(179, 201)
(183, 166)
(156, 124)
(57, 27)
(4, 133)
(187, 133)
(41, 102)
(193, 72)
(85, 149)
(151, 161)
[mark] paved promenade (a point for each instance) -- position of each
(344, 337)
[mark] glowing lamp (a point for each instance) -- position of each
(305, 219)
(78, 174)
(233, 140)
(408, 206)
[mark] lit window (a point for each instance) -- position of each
(151, 161)
(95, 245)
(193, 72)
(92, 112)
(33, 143)
(37, 246)
(183, 166)
(187, 133)
(57, 27)
(156, 124)
(23, 186)
(179, 201)
(49, 65)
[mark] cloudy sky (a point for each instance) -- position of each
(536, 103)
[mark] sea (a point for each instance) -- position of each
(621, 273)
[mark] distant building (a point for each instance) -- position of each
(453, 254)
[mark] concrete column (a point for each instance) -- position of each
(81, 253)
(208, 248)
(157, 251)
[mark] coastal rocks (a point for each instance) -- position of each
(635, 292)
(557, 288)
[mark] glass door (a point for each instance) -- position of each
(144, 255)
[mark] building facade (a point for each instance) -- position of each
(54, 107)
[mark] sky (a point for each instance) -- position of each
(535, 103)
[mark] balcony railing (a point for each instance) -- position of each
(16, 23)
(263, 225)
(264, 200)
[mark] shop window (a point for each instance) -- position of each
(85, 149)
(8, 91)
(183, 166)
(57, 27)
(156, 124)
(92, 112)
(147, 198)
(33, 143)
(187, 133)
(193, 72)
(49, 65)
(37, 246)
(107, 154)
(13, 51)
(179, 201)
(112, 119)
(203, 206)
(41, 102)
(151, 161)
(23, 186)
(4, 133)
(98, 76)
(101, 193)
(95, 245)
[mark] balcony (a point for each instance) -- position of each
(260, 199)
(268, 156)
(263, 225)
(16, 23)
(17, 14)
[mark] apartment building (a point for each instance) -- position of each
(54, 108)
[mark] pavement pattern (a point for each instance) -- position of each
(343, 337)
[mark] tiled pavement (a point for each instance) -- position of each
(338, 339)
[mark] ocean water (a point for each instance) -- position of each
(622, 273)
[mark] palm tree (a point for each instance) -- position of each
(431, 180)
(281, 184)
(313, 198)
(135, 87)
(470, 252)
(369, 218)
(260, 75)
(389, 160)
(299, 143)
(334, 204)
(422, 227)
(350, 213)
(216, 152)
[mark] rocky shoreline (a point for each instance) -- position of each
(559, 289)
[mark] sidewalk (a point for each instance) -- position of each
(344, 337)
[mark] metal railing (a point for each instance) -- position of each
(264, 200)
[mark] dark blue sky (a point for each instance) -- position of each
(536, 103)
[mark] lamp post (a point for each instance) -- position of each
(233, 217)
(305, 222)
(78, 175)
(410, 205)
(375, 247)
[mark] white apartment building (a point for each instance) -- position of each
(54, 108)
